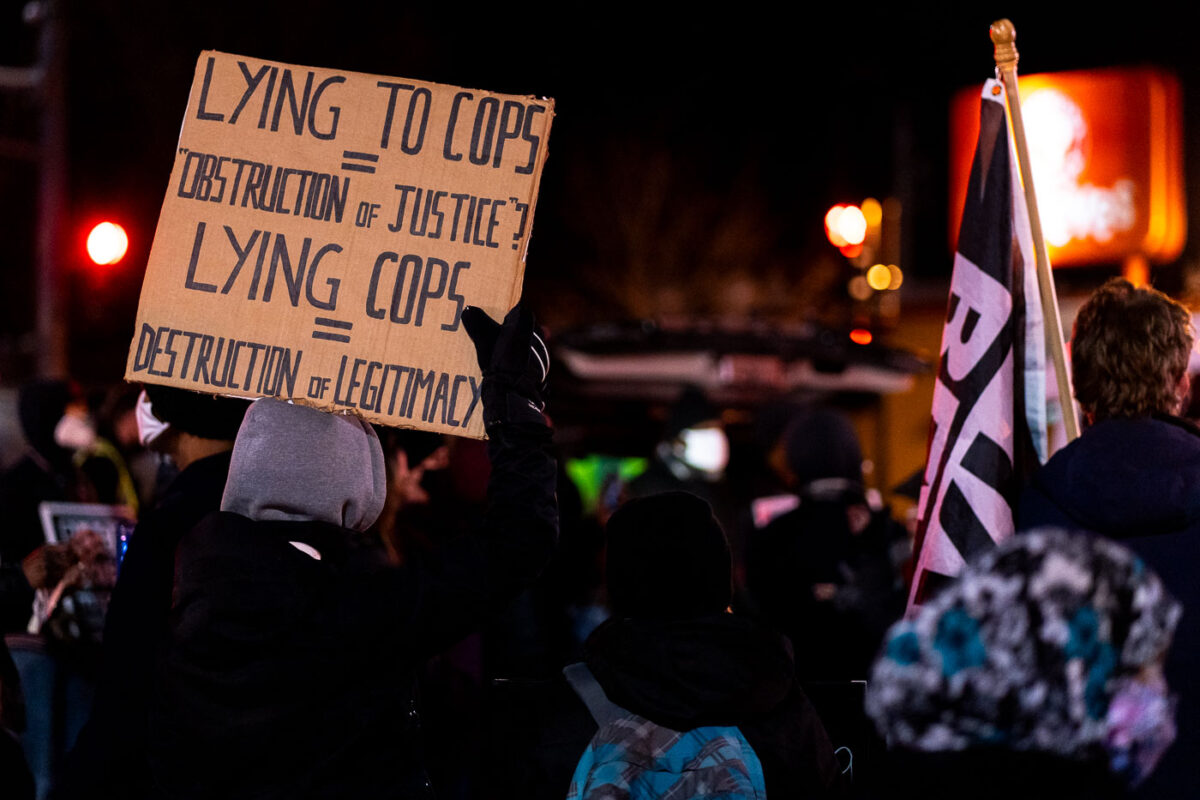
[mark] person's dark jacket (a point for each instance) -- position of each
(682, 674)
(1138, 481)
(109, 758)
(813, 547)
(292, 677)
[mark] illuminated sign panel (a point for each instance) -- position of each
(1107, 153)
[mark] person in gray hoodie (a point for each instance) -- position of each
(295, 644)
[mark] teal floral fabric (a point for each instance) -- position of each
(1026, 650)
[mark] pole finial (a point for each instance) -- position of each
(1004, 37)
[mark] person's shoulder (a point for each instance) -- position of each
(1155, 442)
(1155, 426)
(1179, 428)
(1124, 438)
(204, 473)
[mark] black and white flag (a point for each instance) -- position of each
(989, 402)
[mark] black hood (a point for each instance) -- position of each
(1127, 477)
(716, 670)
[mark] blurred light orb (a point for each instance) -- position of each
(107, 243)
(859, 289)
(861, 336)
(879, 277)
(872, 211)
(831, 226)
(845, 225)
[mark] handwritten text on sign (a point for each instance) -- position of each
(322, 232)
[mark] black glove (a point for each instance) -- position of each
(515, 363)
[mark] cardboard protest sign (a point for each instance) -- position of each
(322, 232)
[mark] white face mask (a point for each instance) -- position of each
(74, 432)
(705, 450)
(149, 426)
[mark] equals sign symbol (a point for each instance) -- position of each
(350, 157)
(332, 323)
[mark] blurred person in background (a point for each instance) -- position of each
(104, 457)
(823, 572)
(411, 458)
(57, 656)
(1038, 673)
(44, 473)
(119, 424)
(15, 776)
(196, 433)
(692, 457)
(1133, 474)
(692, 454)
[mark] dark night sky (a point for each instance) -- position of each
(787, 112)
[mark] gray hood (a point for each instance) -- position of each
(292, 462)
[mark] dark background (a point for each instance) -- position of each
(691, 161)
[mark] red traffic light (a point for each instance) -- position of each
(107, 243)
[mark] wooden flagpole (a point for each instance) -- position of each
(1004, 37)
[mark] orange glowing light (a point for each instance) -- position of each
(879, 277)
(107, 243)
(872, 211)
(1110, 185)
(859, 289)
(831, 226)
(846, 226)
(861, 336)
(852, 225)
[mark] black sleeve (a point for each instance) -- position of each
(449, 594)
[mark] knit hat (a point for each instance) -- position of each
(1027, 651)
(292, 462)
(821, 444)
(667, 559)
